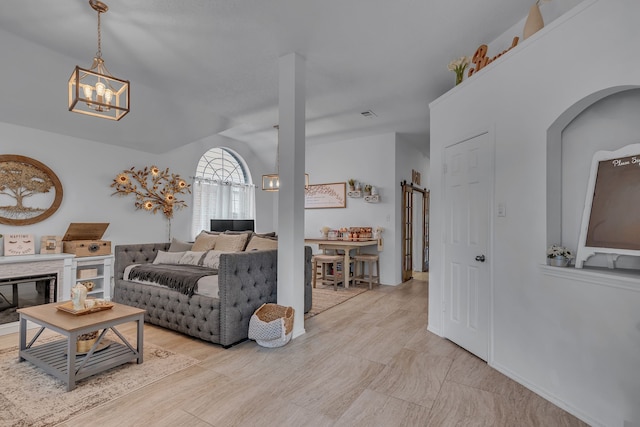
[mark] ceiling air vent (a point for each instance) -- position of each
(368, 114)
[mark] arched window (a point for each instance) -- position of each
(222, 189)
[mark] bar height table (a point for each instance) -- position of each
(345, 245)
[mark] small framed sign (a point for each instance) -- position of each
(51, 245)
(19, 244)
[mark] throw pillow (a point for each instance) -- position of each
(191, 258)
(270, 234)
(179, 246)
(249, 233)
(261, 243)
(211, 259)
(204, 242)
(231, 242)
(168, 257)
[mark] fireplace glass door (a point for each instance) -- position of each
(20, 292)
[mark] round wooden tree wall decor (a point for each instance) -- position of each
(29, 191)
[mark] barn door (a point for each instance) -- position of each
(407, 232)
(408, 194)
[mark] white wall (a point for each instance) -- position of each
(373, 160)
(571, 336)
(86, 170)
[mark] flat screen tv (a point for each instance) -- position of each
(232, 225)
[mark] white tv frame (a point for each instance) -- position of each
(585, 252)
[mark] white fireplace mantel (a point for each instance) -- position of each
(27, 265)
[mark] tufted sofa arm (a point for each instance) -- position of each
(126, 255)
(246, 281)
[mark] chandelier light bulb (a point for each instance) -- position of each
(88, 90)
(108, 95)
(100, 88)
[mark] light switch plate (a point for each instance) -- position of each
(502, 209)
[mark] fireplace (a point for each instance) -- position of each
(29, 280)
(25, 291)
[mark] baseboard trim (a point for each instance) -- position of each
(436, 331)
(548, 396)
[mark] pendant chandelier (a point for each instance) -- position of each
(95, 91)
(271, 182)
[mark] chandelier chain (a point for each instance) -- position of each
(277, 127)
(99, 52)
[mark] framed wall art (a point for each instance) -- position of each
(321, 196)
(30, 192)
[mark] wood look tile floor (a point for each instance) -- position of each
(367, 362)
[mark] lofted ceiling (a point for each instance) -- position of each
(204, 67)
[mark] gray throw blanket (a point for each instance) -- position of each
(181, 277)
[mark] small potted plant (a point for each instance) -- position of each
(458, 66)
(559, 256)
(352, 184)
(367, 189)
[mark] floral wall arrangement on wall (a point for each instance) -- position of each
(155, 189)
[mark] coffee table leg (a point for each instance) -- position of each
(71, 361)
(140, 339)
(23, 336)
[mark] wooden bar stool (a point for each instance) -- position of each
(360, 277)
(323, 261)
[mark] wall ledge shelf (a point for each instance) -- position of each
(621, 279)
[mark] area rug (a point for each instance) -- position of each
(31, 397)
(325, 297)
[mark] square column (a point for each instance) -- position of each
(291, 169)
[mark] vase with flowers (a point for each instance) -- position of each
(458, 66)
(559, 256)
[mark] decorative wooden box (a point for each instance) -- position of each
(83, 239)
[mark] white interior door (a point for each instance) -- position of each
(468, 189)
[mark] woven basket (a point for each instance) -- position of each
(271, 325)
(86, 341)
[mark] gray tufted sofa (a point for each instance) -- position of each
(246, 280)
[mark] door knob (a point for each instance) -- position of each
(480, 258)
